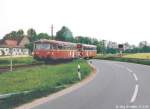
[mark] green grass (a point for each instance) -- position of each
(138, 56)
(16, 61)
(105, 55)
(41, 81)
(39, 77)
(134, 56)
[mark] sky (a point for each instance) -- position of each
(115, 20)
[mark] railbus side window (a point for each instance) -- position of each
(46, 46)
(60, 47)
(55, 47)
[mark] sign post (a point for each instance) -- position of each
(121, 48)
(11, 59)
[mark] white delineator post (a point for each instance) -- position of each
(79, 73)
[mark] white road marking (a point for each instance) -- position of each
(135, 93)
(129, 70)
(136, 86)
(135, 77)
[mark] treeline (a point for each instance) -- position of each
(31, 34)
(64, 34)
(145, 49)
(138, 49)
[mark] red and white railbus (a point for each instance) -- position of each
(55, 50)
(52, 49)
(86, 50)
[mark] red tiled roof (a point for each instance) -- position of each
(11, 43)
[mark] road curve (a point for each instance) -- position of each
(117, 85)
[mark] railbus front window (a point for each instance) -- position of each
(42, 46)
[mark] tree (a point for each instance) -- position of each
(99, 47)
(64, 34)
(29, 46)
(7, 36)
(43, 36)
(103, 46)
(111, 50)
(12, 35)
(142, 44)
(31, 33)
(20, 32)
(84, 40)
(79, 39)
(94, 41)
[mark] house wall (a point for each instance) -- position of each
(24, 41)
(15, 51)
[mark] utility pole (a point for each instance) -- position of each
(52, 31)
(103, 47)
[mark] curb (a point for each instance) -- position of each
(10, 94)
(60, 93)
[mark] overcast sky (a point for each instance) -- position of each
(116, 20)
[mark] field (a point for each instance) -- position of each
(39, 81)
(138, 56)
(134, 56)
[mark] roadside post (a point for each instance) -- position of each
(90, 61)
(79, 73)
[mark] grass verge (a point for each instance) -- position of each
(17, 61)
(40, 81)
(125, 59)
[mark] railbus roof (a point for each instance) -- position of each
(55, 42)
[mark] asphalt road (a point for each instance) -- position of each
(117, 85)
